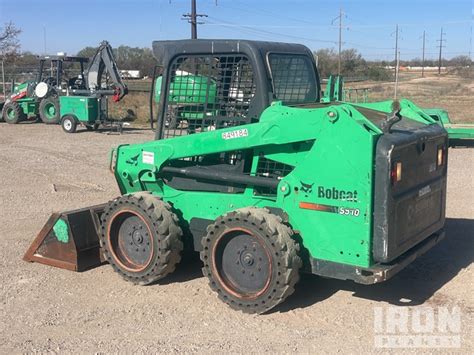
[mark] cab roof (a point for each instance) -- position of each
(164, 51)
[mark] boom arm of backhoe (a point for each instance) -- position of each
(104, 60)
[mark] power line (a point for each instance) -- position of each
(267, 13)
(352, 26)
(234, 25)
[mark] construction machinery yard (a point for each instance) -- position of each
(230, 173)
(46, 309)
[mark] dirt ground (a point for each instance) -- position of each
(44, 309)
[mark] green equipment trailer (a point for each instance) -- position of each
(67, 92)
(267, 184)
(460, 134)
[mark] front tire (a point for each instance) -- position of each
(12, 113)
(141, 237)
(250, 259)
(49, 110)
(69, 124)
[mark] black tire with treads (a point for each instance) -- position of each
(163, 233)
(273, 237)
(13, 113)
(46, 117)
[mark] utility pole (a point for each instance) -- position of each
(192, 19)
(470, 45)
(441, 46)
(396, 44)
(423, 57)
(340, 42)
(44, 40)
(3, 82)
(397, 70)
(341, 15)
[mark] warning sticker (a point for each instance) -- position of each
(148, 158)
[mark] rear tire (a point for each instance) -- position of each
(250, 259)
(141, 237)
(49, 110)
(12, 113)
(69, 124)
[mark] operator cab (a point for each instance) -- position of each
(62, 72)
(212, 84)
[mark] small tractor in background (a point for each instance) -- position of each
(250, 169)
(57, 96)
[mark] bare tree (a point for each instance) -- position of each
(9, 43)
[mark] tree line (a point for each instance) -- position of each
(354, 65)
(134, 58)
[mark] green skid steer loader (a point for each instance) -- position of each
(262, 179)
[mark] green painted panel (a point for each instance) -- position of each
(61, 231)
(328, 195)
(84, 108)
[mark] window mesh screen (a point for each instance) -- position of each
(293, 78)
(208, 93)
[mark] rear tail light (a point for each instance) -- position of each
(441, 155)
(396, 173)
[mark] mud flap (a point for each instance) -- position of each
(69, 240)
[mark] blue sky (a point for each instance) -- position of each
(368, 24)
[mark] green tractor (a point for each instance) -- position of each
(66, 92)
(187, 98)
(262, 179)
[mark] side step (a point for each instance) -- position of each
(69, 240)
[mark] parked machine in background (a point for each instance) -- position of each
(460, 134)
(74, 97)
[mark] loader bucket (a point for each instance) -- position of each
(69, 240)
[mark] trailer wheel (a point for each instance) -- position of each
(69, 124)
(49, 110)
(141, 237)
(12, 113)
(250, 259)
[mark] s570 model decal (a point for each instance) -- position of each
(238, 133)
(332, 209)
(349, 211)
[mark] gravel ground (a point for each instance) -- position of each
(45, 309)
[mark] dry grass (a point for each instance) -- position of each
(133, 107)
(450, 92)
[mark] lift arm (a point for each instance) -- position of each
(104, 59)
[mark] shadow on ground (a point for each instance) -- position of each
(412, 286)
(188, 269)
(115, 131)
